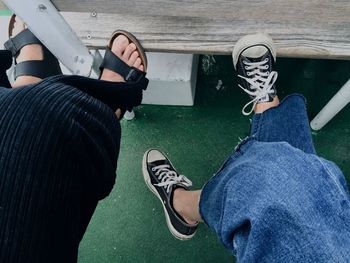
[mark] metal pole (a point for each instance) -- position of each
(336, 104)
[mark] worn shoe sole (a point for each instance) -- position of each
(253, 40)
(147, 179)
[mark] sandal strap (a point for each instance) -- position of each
(47, 67)
(24, 38)
(37, 68)
(112, 62)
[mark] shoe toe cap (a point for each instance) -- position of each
(155, 155)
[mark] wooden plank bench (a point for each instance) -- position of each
(309, 29)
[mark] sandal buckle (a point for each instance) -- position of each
(134, 75)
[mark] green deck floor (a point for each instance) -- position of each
(129, 225)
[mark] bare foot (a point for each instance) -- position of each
(261, 107)
(125, 51)
(186, 204)
(27, 53)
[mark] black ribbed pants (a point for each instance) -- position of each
(59, 145)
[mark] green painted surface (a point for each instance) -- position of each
(129, 225)
(5, 12)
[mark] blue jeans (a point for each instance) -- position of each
(274, 199)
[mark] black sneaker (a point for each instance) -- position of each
(162, 179)
(254, 57)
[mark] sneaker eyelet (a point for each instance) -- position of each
(266, 59)
(267, 66)
(244, 62)
(153, 169)
(246, 67)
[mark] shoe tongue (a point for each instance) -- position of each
(158, 162)
(259, 59)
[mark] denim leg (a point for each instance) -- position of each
(287, 122)
(274, 200)
(275, 203)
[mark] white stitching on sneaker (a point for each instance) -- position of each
(260, 82)
(170, 177)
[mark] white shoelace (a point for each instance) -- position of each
(169, 178)
(260, 82)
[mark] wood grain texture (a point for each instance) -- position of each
(313, 28)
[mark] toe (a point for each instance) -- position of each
(119, 45)
(137, 63)
(133, 58)
(128, 51)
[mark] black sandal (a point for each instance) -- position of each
(112, 62)
(47, 67)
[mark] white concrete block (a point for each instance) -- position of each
(172, 79)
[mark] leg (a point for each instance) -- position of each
(28, 53)
(260, 214)
(58, 145)
(186, 204)
(271, 202)
(170, 188)
(286, 122)
(32, 52)
(59, 153)
(261, 107)
(274, 203)
(254, 58)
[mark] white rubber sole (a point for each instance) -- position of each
(147, 179)
(251, 40)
